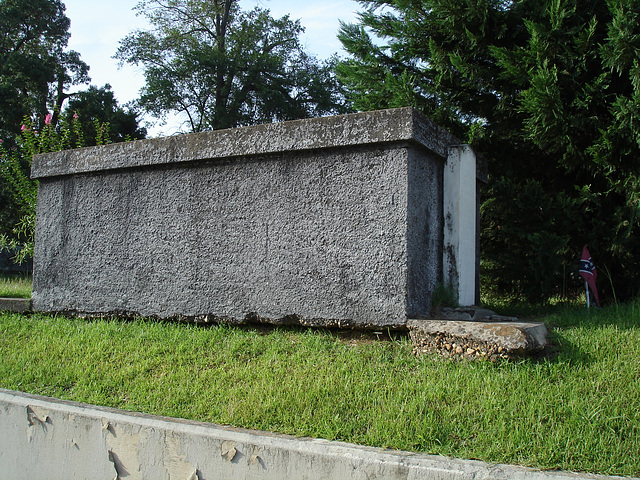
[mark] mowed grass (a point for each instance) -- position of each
(15, 287)
(578, 409)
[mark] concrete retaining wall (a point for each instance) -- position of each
(327, 221)
(43, 438)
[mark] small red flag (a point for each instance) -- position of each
(589, 273)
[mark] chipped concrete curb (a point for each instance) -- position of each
(15, 305)
(55, 439)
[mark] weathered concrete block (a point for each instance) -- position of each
(328, 221)
(478, 339)
(460, 205)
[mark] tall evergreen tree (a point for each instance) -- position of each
(549, 92)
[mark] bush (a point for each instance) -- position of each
(15, 167)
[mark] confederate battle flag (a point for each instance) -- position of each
(589, 273)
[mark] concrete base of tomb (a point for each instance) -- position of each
(474, 333)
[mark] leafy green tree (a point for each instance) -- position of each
(222, 67)
(98, 107)
(35, 70)
(549, 92)
(10, 211)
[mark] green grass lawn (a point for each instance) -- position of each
(577, 410)
(15, 287)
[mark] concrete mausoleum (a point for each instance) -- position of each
(349, 220)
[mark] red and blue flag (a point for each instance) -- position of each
(589, 273)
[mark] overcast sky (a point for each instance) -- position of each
(98, 26)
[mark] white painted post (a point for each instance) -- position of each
(459, 208)
(586, 287)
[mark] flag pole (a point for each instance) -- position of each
(586, 287)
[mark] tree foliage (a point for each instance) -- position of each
(15, 167)
(35, 69)
(549, 92)
(98, 107)
(222, 67)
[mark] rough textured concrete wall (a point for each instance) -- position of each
(424, 232)
(342, 226)
(304, 235)
(366, 128)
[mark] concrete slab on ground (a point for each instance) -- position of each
(478, 339)
(15, 305)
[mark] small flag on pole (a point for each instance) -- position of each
(589, 273)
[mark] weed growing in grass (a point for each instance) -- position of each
(578, 411)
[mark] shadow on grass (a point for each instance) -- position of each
(574, 330)
(562, 350)
(625, 316)
(571, 313)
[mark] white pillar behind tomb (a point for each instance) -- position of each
(460, 226)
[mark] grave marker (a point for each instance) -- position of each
(334, 221)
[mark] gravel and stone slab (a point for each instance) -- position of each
(487, 336)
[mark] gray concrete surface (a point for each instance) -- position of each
(461, 225)
(16, 305)
(331, 221)
(369, 128)
(44, 438)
